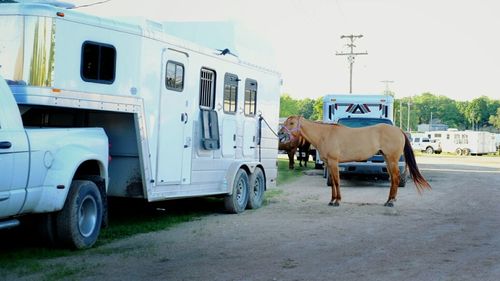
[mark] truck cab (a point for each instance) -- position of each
(14, 156)
(58, 173)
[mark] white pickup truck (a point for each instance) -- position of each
(424, 144)
(58, 174)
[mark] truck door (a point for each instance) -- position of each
(14, 155)
(175, 124)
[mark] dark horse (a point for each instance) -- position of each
(291, 147)
(337, 143)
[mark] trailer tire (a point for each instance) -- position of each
(257, 189)
(236, 202)
(79, 222)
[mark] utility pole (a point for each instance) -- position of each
(408, 127)
(400, 114)
(351, 55)
(386, 82)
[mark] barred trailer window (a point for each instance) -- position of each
(207, 88)
(250, 97)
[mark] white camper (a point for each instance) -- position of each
(336, 107)
(182, 120)
(464, 142)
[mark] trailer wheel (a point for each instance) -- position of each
(79, 222)
(237, 201)
(257, 189)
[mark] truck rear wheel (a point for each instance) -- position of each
(79, 222)
(237, 201)
(257, 189)
(429, 150)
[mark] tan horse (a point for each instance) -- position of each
(337, 143)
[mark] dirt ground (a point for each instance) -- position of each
(449, 233)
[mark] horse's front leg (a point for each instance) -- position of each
(291, 157)
(334, 174)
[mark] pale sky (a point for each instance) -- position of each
(446, 47)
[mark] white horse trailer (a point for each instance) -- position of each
(182, 120)
(464, 142)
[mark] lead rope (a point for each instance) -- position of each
(261, 118)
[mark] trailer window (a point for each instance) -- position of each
(207, 88)
(230, 92)
(174, 76)
(250, 97)
(98, 62)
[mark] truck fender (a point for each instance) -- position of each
(249, 167)
(62, 172)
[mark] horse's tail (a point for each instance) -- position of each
(417, 177)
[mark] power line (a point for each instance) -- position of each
(351, 55)
(91, 4)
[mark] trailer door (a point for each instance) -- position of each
(174, 140)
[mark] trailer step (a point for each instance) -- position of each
(9, 224)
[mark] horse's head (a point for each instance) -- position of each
(290, 129)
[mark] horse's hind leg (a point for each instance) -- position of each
(392, 167)
(334, 174)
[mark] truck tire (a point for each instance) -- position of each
(429, 150)
(237, 201)
(466, 151)
(458, 151)
(402, 179)
(79, 222)
(257, 189)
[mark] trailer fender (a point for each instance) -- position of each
(66, 162)
(249, 168)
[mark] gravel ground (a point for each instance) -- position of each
(449, 233)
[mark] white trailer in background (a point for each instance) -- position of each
(182, 120)
(464, 142)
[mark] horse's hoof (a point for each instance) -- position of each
(389, 204)
(334, 204)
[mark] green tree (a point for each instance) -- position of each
(318, 110)
(477, 112)
(306, 107)
(495, 119)
(288, 106)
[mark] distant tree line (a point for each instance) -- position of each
(481, 113)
